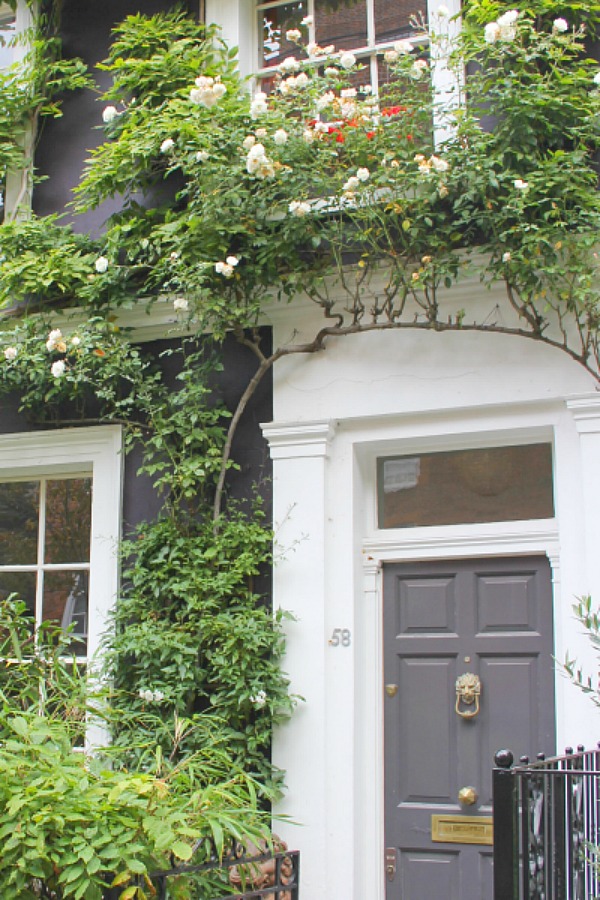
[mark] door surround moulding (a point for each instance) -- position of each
(376, 551)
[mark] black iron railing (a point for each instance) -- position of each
(547, 827)
(274, 876)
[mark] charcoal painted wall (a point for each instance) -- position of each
(63, 148)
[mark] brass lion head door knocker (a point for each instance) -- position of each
(468, 691)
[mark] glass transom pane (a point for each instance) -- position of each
(496, 484)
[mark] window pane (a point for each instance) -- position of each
(273, 22)
(66, 603)
(393, 18)
(68, 520)
(21, 583)
(19, 506)
(7, 32)
(343, 24)
(498, 484)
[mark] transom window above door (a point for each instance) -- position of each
(366, 27)
(45, 536)
(459, 487)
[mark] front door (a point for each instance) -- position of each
(491, 619)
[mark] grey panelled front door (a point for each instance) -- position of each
(491, 618)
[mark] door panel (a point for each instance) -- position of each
(492, 618)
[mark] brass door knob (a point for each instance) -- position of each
(391, 690)
(467, 796)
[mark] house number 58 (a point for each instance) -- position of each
(340, 638)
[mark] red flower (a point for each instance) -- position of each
(340, 137)
(370, 135)
(393, 110)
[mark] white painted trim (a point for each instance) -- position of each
(96, 451)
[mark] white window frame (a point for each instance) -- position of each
(95, 452)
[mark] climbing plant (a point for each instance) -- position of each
(233, 201)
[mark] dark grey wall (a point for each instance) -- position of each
(63, 148)
(65, 142)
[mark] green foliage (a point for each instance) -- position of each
(33, 89)
(190, 626)
(589, 617)
(72, 823)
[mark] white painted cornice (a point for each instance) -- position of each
(298, 439)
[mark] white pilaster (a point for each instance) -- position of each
(586, 413)
(299, 453)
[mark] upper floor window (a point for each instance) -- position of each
(366, 27)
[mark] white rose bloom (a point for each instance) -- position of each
(302, 80)
(347, 60)
(309, 136)
(325, 100)
(307, 21)
(202, 155)
(248, 142)
(348, 93)
(280, 137)
(391, 56)
(440, 165)
(255, 155)
(520, 184)
(332, 72)
(260, 700)
(232, 261)
(58, 368)
(261, 132)
(352, 183)
(167, 145)
(75, 341)
(54, 338)
(101, 265)
(227, 271)
(443, 12)
(259, 105)
(418, 69)
(181, 304)
(219, 90)
(491, 32)
(293, 35)
(403, 47)
(109, 114)
(290, 64)
(299, 208)
(506, 257)
(219, 267)
(597, 78)
(508, 18)
(158, 696)
(10, 353)
(363, 174)
(560, 26)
